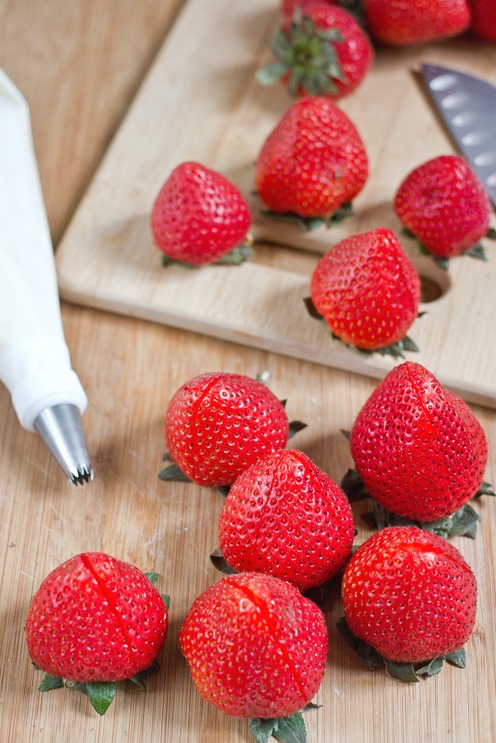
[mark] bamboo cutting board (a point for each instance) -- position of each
(200, 101)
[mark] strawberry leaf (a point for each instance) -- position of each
(353, 486)
(457, 658)
(173, 473)
(476, 251)
(369, 656)
(432, 668)
(139, 677)
(295, 427)
(491, 234)
(101, 694)
(237, 255)
(485, 489)
(290, 729)
(51, 682)
(152, 577)
(404, 672)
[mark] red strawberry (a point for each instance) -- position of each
(313, 161)
(443, 203)
(402, 22)
(418, 448)
(95, 619)
(218, 424)
(255, 646)
(411, 596)
(483, 19)
(199, 216)
(323, 52)
(286, 517)
(367, 290)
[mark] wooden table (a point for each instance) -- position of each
(79, 65)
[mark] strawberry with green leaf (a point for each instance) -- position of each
(217, 424)
(257, 648)
(367, 291)
(286, 517)
(312, 164)
(410, 601)
(420, 451)
(200, 217)
(444, 205)
(320, 50)
(93, 622)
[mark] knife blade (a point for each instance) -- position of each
(467, 107)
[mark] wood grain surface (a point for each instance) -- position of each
(79, 65)
(107, 258)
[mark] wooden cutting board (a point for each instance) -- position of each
(200, 101)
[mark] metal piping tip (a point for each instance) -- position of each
(61, 429)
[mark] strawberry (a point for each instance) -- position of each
(285, 516)
(443, 204)
(218, 424)
(483, 19)
(367, 290)
(313, 161)
(199, 217)
(403, 22)
(255, 647)
(94, 621)
(418, 448)
(323, 52)
(411, 596)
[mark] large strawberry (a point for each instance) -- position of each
(255, 648)
(218, 424)
(313, 161)
(418, 448)
(199, 217)
(483, 19)
(444, 205)
(367, 290)
(410, 596)
(94, 621)
(403, 22)
(322, 52)
(285, 516)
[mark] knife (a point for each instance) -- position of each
(467, 107)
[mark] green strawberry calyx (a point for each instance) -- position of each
(462, 522)
(306, 56)
(475, 251)
(233, 257)
(308, 224)
(396, 350)
(290, 729)
(405, 672)
(100, 693)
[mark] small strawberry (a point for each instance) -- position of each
(418, 448)
(95, 621)
(313, 162)
(444, 205)
(403, 22)
(255, 648)
(367, 291)
(199, 217)
(411, 597)
(218, 424)
(483, 19)
(322, 52)
(285, 516)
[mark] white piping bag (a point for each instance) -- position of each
(35, 364)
